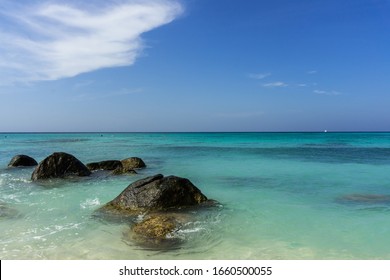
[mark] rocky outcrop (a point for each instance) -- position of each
(104, 165)
(156, 193)
(59, 165)
(22, 160)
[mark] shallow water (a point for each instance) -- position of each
(283, 196)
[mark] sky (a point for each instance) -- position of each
(194, 65)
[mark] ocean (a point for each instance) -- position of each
(282, 196)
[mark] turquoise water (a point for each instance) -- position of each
(283, 195)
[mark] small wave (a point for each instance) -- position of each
(90, 203)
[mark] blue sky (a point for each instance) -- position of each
(195, 65)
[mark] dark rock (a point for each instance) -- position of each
(155, 193)
(22, 160)
(59, 165)
(104, 165)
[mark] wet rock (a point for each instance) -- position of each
(121, 171)
(132, 163)
(156, 232)
(156, 193)
(22, 160)
(59, 165)
(104, 165)
(156, 227)
(129, 165)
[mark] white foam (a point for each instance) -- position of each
(90, 203)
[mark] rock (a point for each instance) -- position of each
(133, 163)
(59, 165)
(365, 198)
(22, 160)
(155, 193)
(156, 227)
(120, 171)
(8, 212)
(104, 165)
(155, 232)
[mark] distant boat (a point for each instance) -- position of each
(325, 131)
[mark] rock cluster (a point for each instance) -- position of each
(118, 167)
(62, 165)
(161, 200)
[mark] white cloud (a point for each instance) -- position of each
(324, 92)
(53, 40)
(311, 72)
(275, 85)
(259, 76)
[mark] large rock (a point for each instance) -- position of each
(59, 165)
(156, 193)
(22, 160)
(104, 165)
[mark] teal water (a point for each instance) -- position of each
(283, 195)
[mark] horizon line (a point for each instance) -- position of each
(122, 132)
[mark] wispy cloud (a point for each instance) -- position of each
(311, 72)
(259, 76)
(52, 40)
(275, 85)
(325, 92)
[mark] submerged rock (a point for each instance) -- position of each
(365, 198)
(104, 165)
(156, 227)
(59, 165)
(159, 231)
(7, 212)
(22, 160)
(156, 193)
(121, 171)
